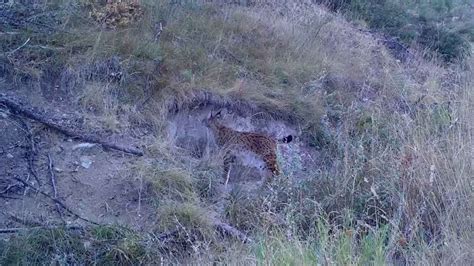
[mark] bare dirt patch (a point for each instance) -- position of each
(94, 183)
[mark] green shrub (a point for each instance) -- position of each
(431, 25)
(448, 44)
(103, 245)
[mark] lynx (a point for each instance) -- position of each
(231, 140)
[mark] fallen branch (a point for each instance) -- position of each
(6, 190)
(60, 203)
(17, 108)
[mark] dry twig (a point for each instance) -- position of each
(39, 116)
(53, 184)
(18, 48)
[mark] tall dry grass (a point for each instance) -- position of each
(396, 138)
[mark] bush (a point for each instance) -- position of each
(103, 245)
(432, 26)
(449, 45)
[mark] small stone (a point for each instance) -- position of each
(86, 162)
(58, 149)
(59, 170)
(87, 244)
(82, 145)
(9, 156)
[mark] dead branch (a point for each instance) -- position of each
(60, 203)
(53, 184)
(232, 231)
(39, 116)
(6, 190)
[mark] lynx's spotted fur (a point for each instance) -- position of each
(232, 140)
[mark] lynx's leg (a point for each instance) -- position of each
(272, 167)
(271, 163)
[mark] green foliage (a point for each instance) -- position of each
(207, 183)
(244, 211)
(43, 246)
(104, 233)
(171, 184)
(185, 215)
(278, 251)
(448, 44)
(373, 247)
(129, 251)
(106, 245)
(341, 247)
(435, 25)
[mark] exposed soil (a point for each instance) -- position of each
(99, 185)
(94, 183)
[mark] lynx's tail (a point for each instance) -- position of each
(286, 139)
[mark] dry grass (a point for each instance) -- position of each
(396, 138)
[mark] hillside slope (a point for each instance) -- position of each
(379, 171)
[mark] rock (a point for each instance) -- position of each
(59, 170)
(86, 162)
(58, 149)
(87, 244)
(83, 145)
(9, 156)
